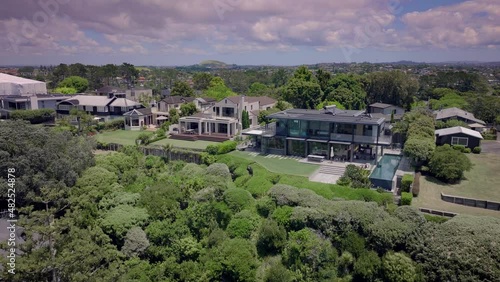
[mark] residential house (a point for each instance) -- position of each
(458, 114)
(331, 132)
(33, 102)
(136, 119)
(386, 110)
(137, 94)
(224, 117)
(102, 107)
(458, 136)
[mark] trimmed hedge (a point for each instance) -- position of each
(467, 151)
(34, 116)
(416, 184)
(476, 150)
(406, 182)
(406, 199)
(222, 148)
(460, 148)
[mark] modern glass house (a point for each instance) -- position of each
(331, 132)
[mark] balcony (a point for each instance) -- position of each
(341, 137)
(383, 139)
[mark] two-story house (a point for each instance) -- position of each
(224, 117)
(136, 94)
(458, 114)
(331, 132)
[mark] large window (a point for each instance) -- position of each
(227, 112)
(297, 128)
(276, 143)
(343, 128)
(64, 107)
(367, 130)
(460, 141)
(319, 129)
(318, 148)
(296, 148)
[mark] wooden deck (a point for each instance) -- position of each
(205, 137)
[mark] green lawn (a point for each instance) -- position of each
(482, 182)
(124, 137)
(185, 144)
(286, 166)
(127, 137)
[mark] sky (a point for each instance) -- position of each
(247, 32)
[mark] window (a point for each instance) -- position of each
(251, 107)
(64, 107)
(460, 141)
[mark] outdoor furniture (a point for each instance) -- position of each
(190, 131)
(315, 158)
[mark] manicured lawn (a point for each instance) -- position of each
(482, 182)
(287, 166)
(185, 144)
(124, 137)
(127, 137)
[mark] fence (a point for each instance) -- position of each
(471, 202)
(438, 212)
(176, 154)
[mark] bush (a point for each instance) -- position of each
(34, 116)
(207, 158)
(114, 124)
(449, 164)
(406, 182)
(476, 150)
(143, 138)
(467, 151)
(212, 149)
(226, 147)
(237, 199)
(406, 199)
(459, 148)
(242, 224)
(416, 184)
(219, 170)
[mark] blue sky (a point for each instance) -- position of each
(284, 32)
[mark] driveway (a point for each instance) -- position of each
(490, 147)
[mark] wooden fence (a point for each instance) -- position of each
(438, 212)
(471, 202)
(176, 154)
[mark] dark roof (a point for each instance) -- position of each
(111, 89)
(381, 105)
(177, 99)
(209, 99)
(235, 99)
(263, 100)
(456, 112)
(335, 115)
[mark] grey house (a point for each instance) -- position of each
(458, 136)
(386, 109)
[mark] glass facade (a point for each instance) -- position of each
(318, 148)
(296, 148)
(297, 128)
(319, 129)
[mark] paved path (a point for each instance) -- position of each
(328, 173)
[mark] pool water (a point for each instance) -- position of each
(383, 174)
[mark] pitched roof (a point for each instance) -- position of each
(458, 129)
(456, 112)
(381, 105)
(139, 112)
(123, 102)
(263, 100)
(177, 99)
(89, 100)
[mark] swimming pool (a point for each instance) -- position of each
(383, 174)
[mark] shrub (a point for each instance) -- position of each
(476, 150)
(242, 224)
(449, 164)
(212, 149)
(208, 159)
(237, 199)
(459, 148)
(226, 147)
(143, 138)
(406, 199)
(467, 150)
(265, 206)
(34, 116)
(356, 177)
(219, 170)
(114, 124)
(416, 184)
(406, 182)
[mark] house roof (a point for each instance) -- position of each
(177, 99)
(476, 125)
(208, 99)
(111, 89)
(123, 102)
(456, 112)
(139, 112)
(458, 129)
(332, 114)
(381, 105)
(263, 100)
(89, 100)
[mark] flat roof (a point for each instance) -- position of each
(335, 115)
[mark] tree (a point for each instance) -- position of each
(188, 109)
(398, 267)
(65, 90)
(78, 70)
(201, 80)
(242, 224)
(245, 120)
(367, 267)
(302, 93)
(392, 87)
(173, 116)
(181, 88)
(419, 149)
(323, 104)
(78, 83)
(323, 78)
(257, 89)
(129, 72)
(136, 242)
(272, 238)
(218, 89)
(449, 164)
(279, 77)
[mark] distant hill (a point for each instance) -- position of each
(213, 63)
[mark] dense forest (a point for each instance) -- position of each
(124, 216)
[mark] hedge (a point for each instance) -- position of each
(476, 150)
(467, 151)
(222, 148)
(416, 184)
(460, 148)
(406, 182)
(406, 199)
(34, 116)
